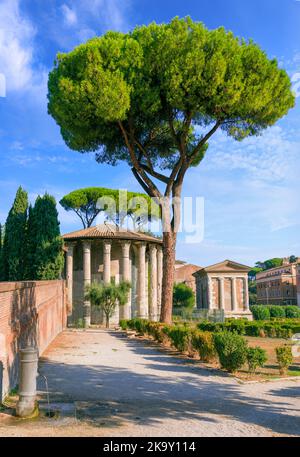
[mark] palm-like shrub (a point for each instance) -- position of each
(108, 296)
(284, 358)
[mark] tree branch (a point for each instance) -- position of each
(203, 141)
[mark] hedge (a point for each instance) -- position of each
(230, 347)
(266, 312)
(280, 328)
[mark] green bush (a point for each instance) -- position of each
(124, 324)
(180, 337)
(231, 349)
(256, 357)
(276, 311)
(255, 328)
(203, 343)
(292, 312)
(260, 312)
(237, 326)
(284, 358)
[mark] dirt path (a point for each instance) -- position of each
(105, 384)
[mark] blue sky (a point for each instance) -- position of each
(251, 189)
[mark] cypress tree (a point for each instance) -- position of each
(14, 244)
(44, 245)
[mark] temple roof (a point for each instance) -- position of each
(225, 266)
(109, 231)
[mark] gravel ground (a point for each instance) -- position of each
(106, 384)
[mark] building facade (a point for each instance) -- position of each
(184, 273)
(224, 286)
(104, 253)
(278, 286)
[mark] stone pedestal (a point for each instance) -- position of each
(27, 404)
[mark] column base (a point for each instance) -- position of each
(27, 407)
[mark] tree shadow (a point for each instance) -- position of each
(113, 396)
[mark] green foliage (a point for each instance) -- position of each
(256, 357)
(292, 311)
(231, 349)
(14, 244)
(260, 313)
(124, 324)
(203, 342)
(284, 358)
(1, 254)
(116, 205)
(183, 296)
(45, 258)
(180, 67)
(277, 311)
(108, 296)
(180, 336)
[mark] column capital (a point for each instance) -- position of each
(107, 246)
(87, 244)
(152, 247)
(70, 245)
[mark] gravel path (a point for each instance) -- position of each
(105, 384)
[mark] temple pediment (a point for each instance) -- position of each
(227, 266)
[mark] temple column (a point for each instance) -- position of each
(106, 261)
(246, 295)
(159, 278)
(209, 293)
(141, 282)
(153, 283)
(233, 295)
(86, 281)
(222, 294)
(125, 311)
(69, 275)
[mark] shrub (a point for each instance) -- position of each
(203, 343)
(124, 324)
(180, 337)
(254, 328)
(231, 349)
(260, 312)
(277, 311)
(292, 311)
(237, 326)
(256, 357)
(284, 358)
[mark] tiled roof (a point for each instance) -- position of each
(108, 231)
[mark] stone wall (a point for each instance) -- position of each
(31, 313)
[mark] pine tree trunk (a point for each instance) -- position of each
(107, 321)
(169, 245)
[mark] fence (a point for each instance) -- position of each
(212, 315)
(31, 313)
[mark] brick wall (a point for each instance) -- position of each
(31, 313)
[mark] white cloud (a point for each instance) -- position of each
(70, 16)
(16, 49)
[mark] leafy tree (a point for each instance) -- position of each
(14, 243)
(108, 296)
(272, 263)
(84, 203)
(155, 96)
(253, 272)
(183, 296)
(293, 259)
(44, 244)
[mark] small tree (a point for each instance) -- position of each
(14, 243)
(108, 296)
(183, 296)
(231, 349)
